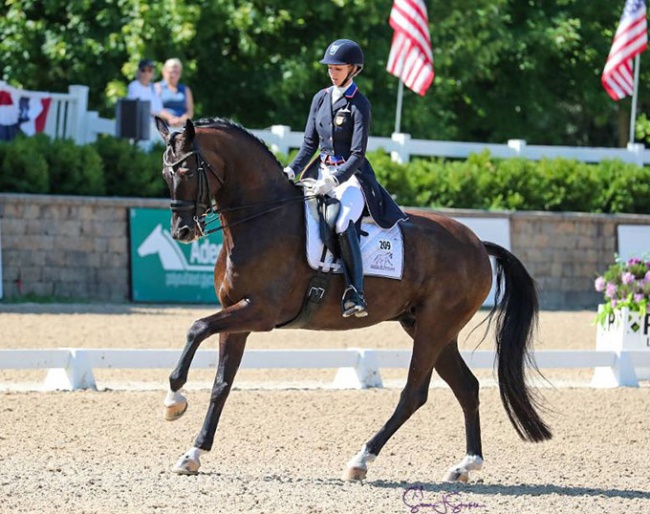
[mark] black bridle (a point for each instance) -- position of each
(203, 201)
(204, 204)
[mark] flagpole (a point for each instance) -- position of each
(398, 111)
(637, 61)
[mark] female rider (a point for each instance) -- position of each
(337, 127)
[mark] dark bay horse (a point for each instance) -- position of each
(261, 276)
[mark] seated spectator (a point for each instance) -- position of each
(142, 88)
(176, 97)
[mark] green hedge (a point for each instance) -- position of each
(116, 167)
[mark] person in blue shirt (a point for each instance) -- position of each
(337, 127)
(176, 97)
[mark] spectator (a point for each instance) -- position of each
(176, 97)
(142, 88)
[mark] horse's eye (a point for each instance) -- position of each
(186, 172)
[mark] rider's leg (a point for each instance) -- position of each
(352, 203)
(353, 303)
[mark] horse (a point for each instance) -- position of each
(261, 277)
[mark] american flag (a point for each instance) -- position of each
(411, 58)
(630, 40)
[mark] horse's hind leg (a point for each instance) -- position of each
(231, 350)
(452, 369)
(426, 349)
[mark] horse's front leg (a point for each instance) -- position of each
(242, 317)
(231, 350)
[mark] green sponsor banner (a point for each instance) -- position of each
(164, 270)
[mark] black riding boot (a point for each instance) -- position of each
(353, 302)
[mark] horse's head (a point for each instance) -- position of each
(190, 179)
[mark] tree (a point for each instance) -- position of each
(504, 68)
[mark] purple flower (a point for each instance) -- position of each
(614, 302)
(599, 284)
(633, 261)
(610, 291)
(647, 277)
(638, 297)
(627, 277)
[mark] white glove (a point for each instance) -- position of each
(325, 185)
(289, 173)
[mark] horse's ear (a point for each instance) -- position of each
(189, 131)
(162, 127)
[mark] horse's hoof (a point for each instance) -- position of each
(186, 466)
(175, 406)
(354, 474)
(173, 412)
(456, 475)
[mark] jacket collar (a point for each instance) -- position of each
(349, 92)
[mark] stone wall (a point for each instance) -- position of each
(78, 247)
(67, 246)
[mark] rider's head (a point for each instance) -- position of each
(345, 57)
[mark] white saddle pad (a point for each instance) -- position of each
(382, 250)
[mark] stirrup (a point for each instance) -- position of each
(353, 303)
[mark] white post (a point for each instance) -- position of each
(518, 145)
(637, 62)
(77, 375)
(398, 110)
(280, 143)
(76, 128)
(364, 375)
(401, 154)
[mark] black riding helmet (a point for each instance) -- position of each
(343, 51)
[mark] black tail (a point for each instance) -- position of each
(516, 320)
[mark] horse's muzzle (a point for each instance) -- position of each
(186, 231)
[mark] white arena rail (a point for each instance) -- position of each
(72, 368)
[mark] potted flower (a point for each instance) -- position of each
(626, 284)
(624, 316)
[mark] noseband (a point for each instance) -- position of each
(203, 201)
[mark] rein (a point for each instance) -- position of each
(227, 209)
(203, 209)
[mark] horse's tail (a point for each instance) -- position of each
(517, 310)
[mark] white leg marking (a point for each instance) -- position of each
(361, 459)
(174, 397)
(460, 472)
(190, 462)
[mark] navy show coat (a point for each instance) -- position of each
(340, 132)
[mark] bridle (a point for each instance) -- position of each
(204, 204)
(203, 201)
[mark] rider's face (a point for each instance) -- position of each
(338, 73)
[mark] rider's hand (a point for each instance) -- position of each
(325, 185)
(289, 173)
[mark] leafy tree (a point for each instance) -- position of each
(504, 68)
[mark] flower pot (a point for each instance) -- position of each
(623, 330)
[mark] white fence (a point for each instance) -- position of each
(72, 368)
(69, 118)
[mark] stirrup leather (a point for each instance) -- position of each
(354, 303)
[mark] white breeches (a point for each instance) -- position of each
(350, 195)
